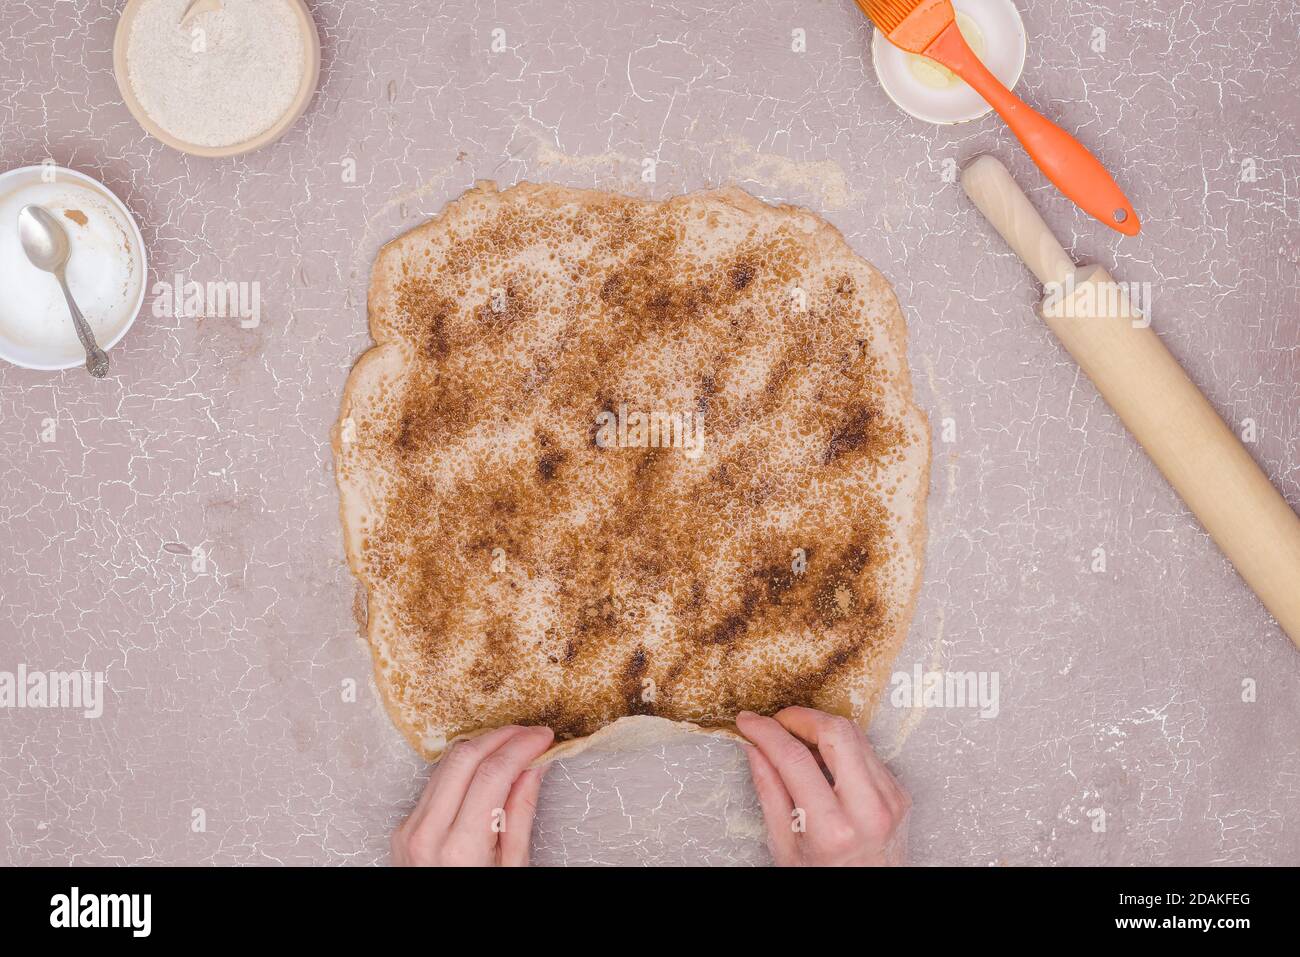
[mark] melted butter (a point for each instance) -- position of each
(936, 75)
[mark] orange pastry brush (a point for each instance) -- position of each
(929, 28)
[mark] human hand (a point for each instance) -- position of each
(477, 809)
(860, 819)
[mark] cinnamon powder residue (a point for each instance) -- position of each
(541, 578)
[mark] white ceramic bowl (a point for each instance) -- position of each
(1004, 54)
(33, 346)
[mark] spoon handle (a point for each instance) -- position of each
(96, 360)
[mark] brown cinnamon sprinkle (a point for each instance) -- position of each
(635, 580)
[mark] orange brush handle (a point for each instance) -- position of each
(1065, 161)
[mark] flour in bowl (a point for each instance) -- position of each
(225, 77)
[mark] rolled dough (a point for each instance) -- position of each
(612, 457)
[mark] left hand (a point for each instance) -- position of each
(477, 809)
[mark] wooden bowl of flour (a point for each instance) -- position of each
(310, 75)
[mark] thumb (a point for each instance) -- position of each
(521, 808)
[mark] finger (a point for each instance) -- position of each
(778, 807)
(451, 779)
(895, 794)
(431, 786)
(793, 762)
(521, 808)
(479, 820)
(894, 852)
(842, 746)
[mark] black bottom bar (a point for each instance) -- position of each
(379, 907)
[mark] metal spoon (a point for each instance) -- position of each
(47, 246)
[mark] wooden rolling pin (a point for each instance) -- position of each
(1160, 405)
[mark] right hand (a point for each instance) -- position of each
(860, 819)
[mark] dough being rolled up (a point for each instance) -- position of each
(617, 457)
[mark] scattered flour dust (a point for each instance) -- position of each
(228, 76)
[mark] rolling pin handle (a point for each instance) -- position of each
(991, 188)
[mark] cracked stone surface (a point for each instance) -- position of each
(178, 530)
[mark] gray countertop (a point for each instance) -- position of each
(178, 530)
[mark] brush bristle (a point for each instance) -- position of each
(887, 14)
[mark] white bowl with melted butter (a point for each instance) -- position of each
(929, 91)
(106, 270)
